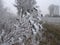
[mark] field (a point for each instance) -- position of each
(52, 34)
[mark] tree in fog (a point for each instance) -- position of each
(51, 9)
(54, 10)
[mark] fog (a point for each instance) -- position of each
(44, 4)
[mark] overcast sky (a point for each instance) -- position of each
(42, 3)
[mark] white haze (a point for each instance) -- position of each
(42, 3)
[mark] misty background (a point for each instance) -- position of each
(43, 5)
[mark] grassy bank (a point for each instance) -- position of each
(52, 34)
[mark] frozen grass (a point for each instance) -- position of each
(52, 34)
